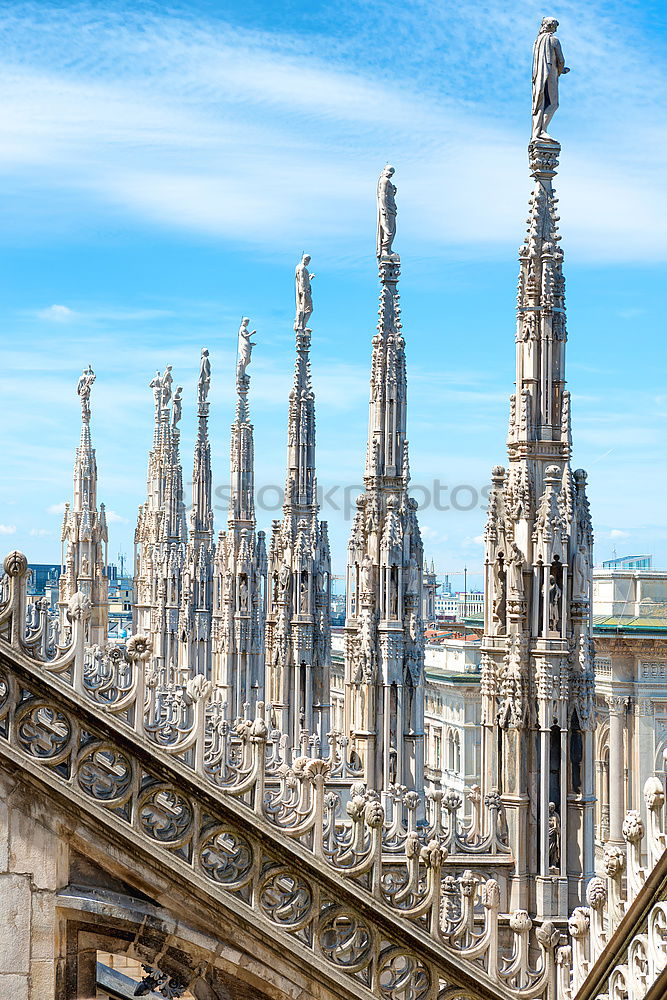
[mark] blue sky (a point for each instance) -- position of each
(164, 166)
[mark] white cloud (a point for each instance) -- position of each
(617, 533)
(114, 518)
(39, 532)
(176, 134)
(7, 529)
(57, 314)
(56, 508)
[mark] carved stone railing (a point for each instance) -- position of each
(187, 718)
(619, 941)
(156, 756)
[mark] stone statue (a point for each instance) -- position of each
(554, 837)
(515, 572)
(499, 583)
(83, 389)
(243, 594)
(167, 382)
(366, 574)
(580, 574)
(413, 577)
(177, 406)
(156, 385)
(304, 295)
(386, 198)
(204, 377)
(548, 64)
(245, 346)
(554, 604)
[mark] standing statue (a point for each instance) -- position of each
(304, 295)
(167, 382)
(554, 837)
(554, 604)
(204, 377)
(386, 198)
(83, 388)
(156, 385)
(413, 577)
(177, 406)
(245, 346)
(548, 64)
(580, 575)
(515, 571)
(366, 574)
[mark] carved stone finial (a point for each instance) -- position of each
(15, 564)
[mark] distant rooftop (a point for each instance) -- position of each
(629, 562)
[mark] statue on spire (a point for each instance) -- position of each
(386, 199)
(246, 345)
(548, 64)
(304, 295)
(83, 389)
(204, 377)
(177, 407)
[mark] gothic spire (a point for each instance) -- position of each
(84, 532)
(385, 647)
(298, 617)
(537, 673)
(202, 513)
(242, 495)
(301, 484)
(239, 572)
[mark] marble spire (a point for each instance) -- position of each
(298, 631)
(537, 680)
(161, 535)
(384, 651)
(195, 617)
(240, 564)
(84, 534)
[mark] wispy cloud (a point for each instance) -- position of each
(176, 132)
(7, 529)
(57, 314)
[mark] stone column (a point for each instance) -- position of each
(617, 710)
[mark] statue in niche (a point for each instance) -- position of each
(85, 566)
(548, 64)
(413, 577)
(554, 604)
(499, 582)
(580, 574)
(177, 407)
(515, 572)
(245, 346)
(554, 837)
(386, 202)
(243, 594)
(393, 588)
(304, 592)
(366, 574)
(204, 377)
(284, 580)
(304, 295)
(83, 388)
